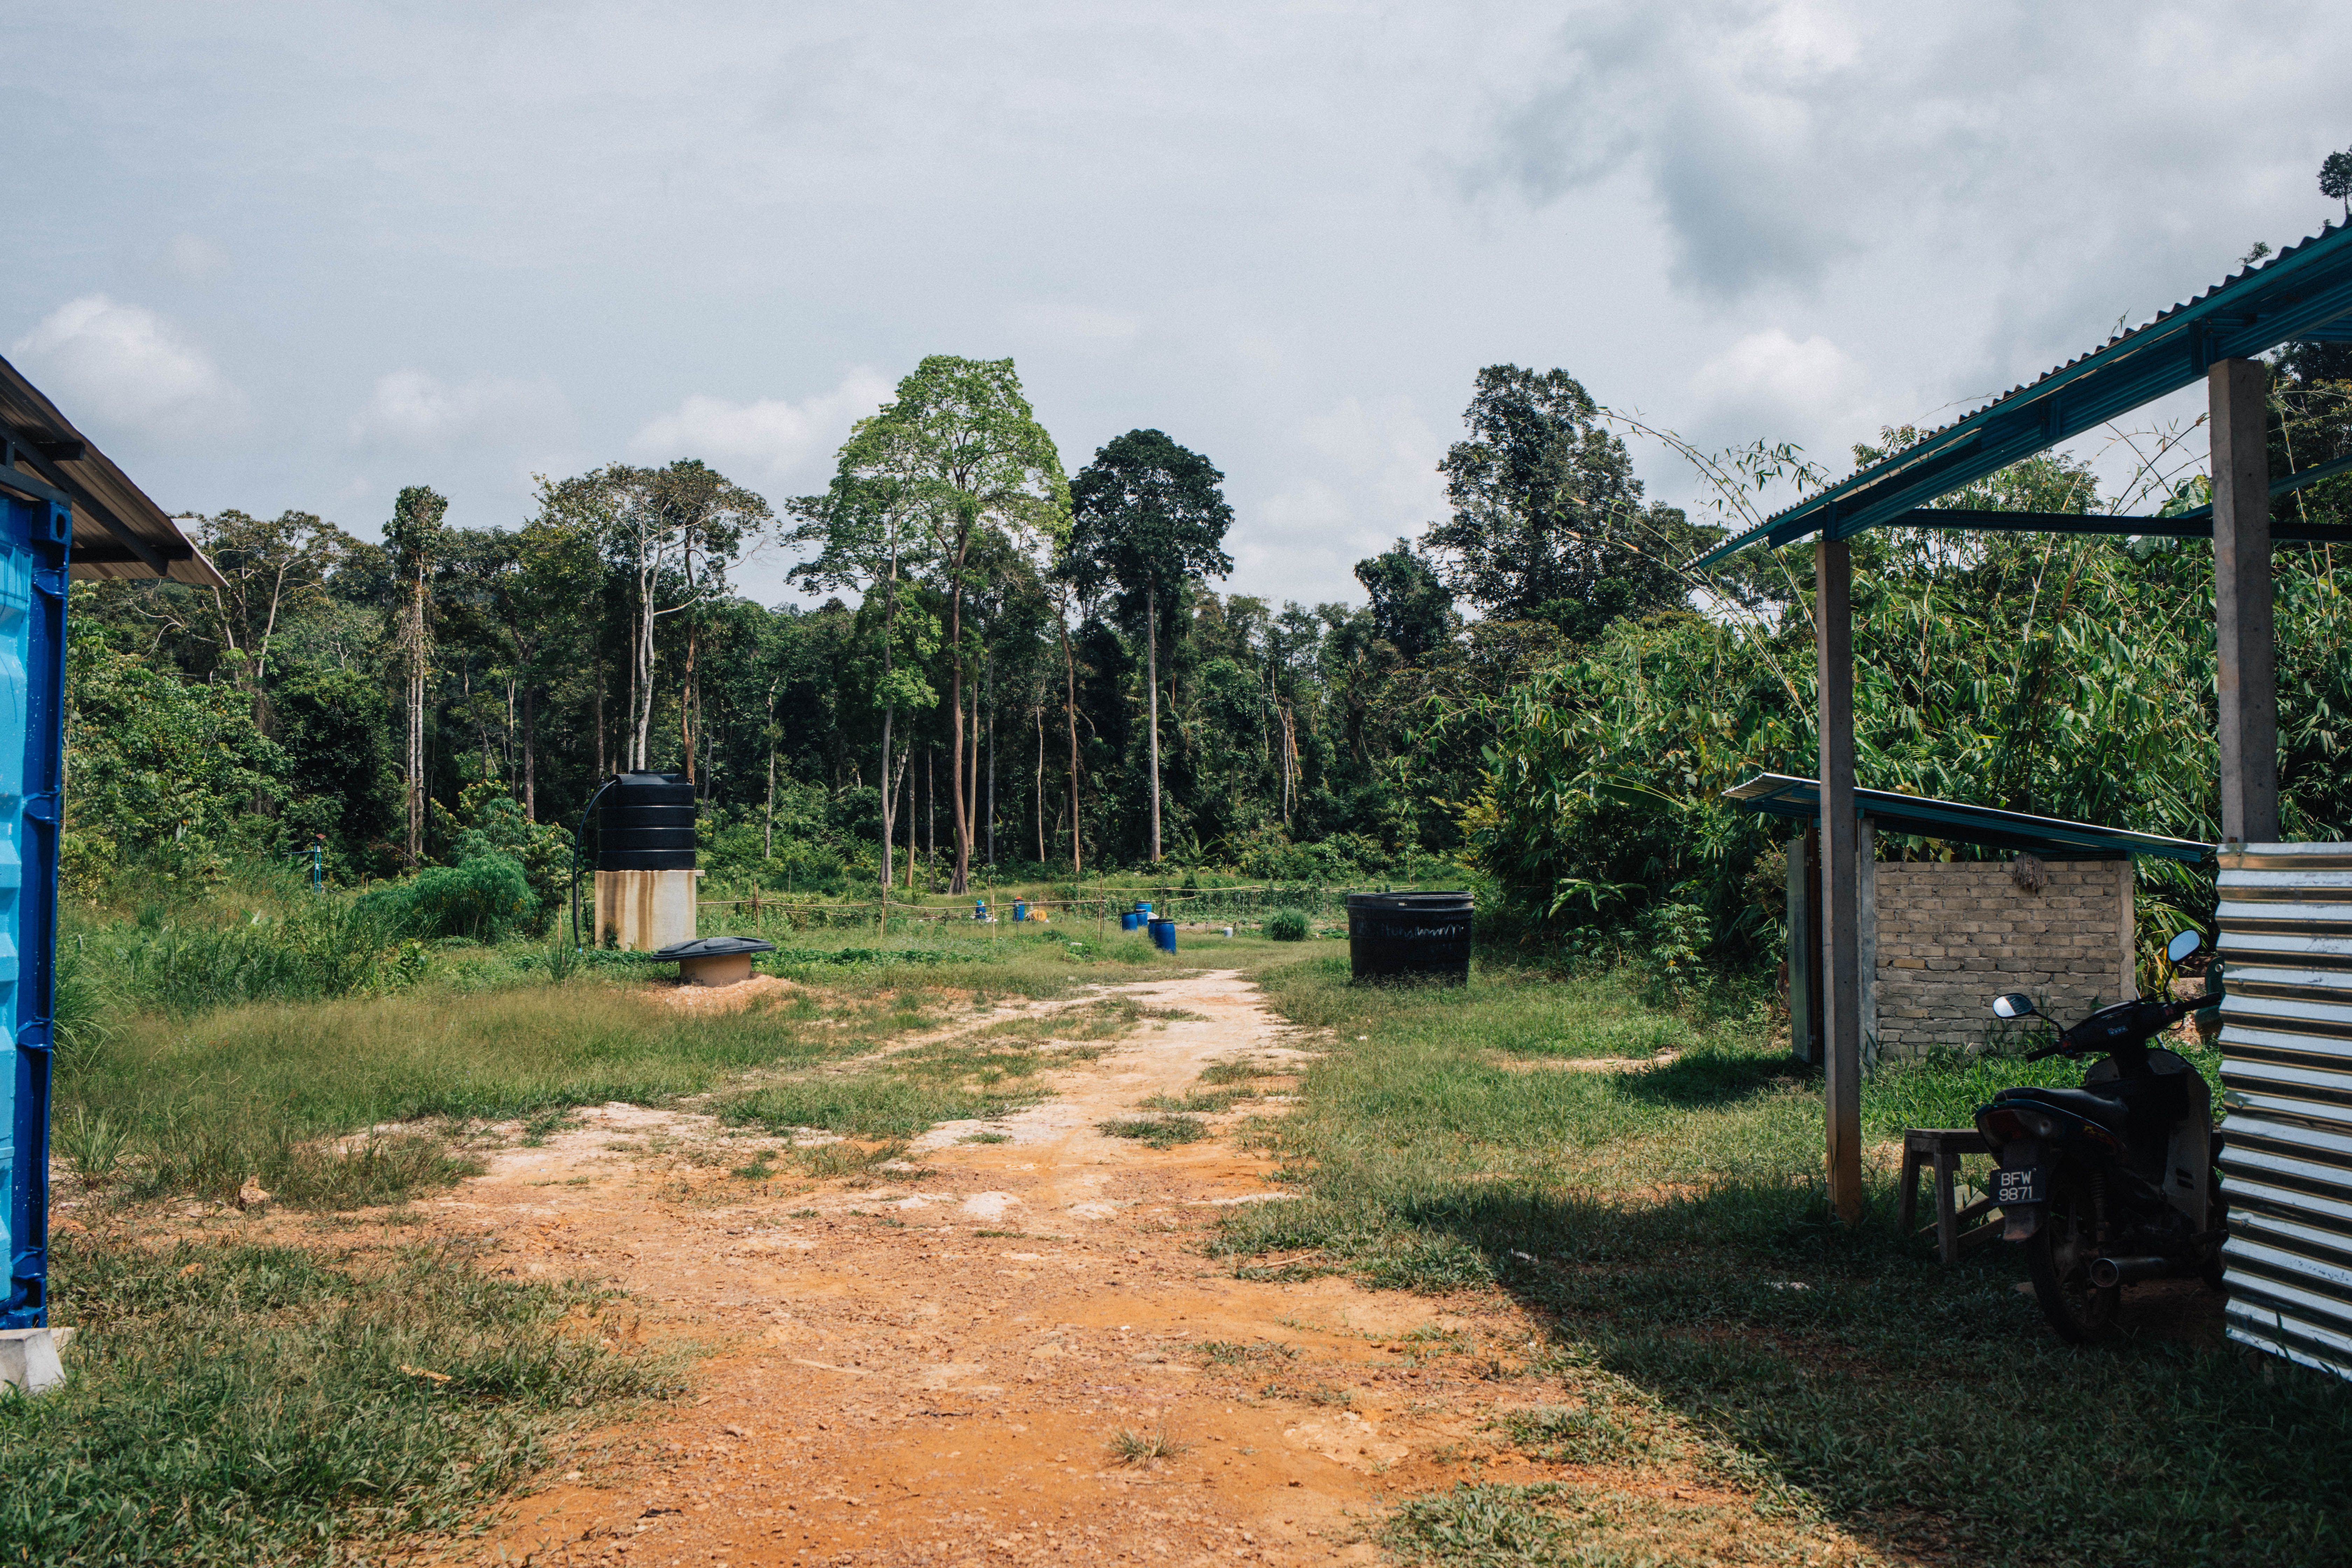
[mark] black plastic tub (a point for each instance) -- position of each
(1410, 936)
(645, 822)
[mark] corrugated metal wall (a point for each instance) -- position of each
(2286, 1045)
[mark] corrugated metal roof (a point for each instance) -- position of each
(118, 531)
(2303, 292)
(2052, 837)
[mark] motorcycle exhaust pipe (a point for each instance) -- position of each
(2109, 1272)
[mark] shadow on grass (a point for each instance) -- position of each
(1712, 1078)
(1925, 1405)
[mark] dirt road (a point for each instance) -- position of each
(946, 1369)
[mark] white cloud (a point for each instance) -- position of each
(109, 363)
(770, 437)
(413, 411)
(1777, 382)
(1372, 476)
(1389, 452)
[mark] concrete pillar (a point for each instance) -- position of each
(2241, 601)
(1840, 881)
(2128, 987)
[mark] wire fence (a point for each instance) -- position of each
(763, 910)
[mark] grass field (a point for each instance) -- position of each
(1669, 1226)
(253, 1405)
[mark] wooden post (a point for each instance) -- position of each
(1840, 881)
(2248, 682)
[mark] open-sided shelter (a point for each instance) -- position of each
(2298, 1272)
(66, 512)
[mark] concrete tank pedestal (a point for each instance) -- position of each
(641, 912)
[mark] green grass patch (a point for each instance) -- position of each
(901, 1094)
(1200, 1102)
(1670, 1226)
(237, 1405)
(1159, 1131)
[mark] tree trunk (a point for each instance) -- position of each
(1039, 713)
(931, 817)
(889, 800)
(768, 847)
(529, 755)
(1070, 711)
(416, 760)
(988, 668)
(1151, 680)
(600, 711)
(685, 714)
(963, 820)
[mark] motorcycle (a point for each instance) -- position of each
(2115, 1181)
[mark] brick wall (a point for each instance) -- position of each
(1951, 937)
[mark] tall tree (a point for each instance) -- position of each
(2335, 179)
(1413, 611)
(672, 533)
(863, 528)
(413, 538)
(1548, 522)
(1150, 516)
(959, 444)
(711, 518)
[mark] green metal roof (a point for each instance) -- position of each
(2051, 837)
(2302, 293)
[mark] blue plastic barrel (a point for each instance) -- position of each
(1163, 935)
(1129, 920)
(1143, 908)
(979, 908)
(1020, 908)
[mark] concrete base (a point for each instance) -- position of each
(28, 1358)
(727, 969)
(642, 911)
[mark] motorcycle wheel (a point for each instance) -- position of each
(2058, 1259)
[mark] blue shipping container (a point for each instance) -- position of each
(34, 535)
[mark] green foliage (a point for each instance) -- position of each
(482, 899)
(1549, 522)
(164, 773)
(327, 947)
(1286, 925)
(234, 1405)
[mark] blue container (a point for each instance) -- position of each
(1129, 920)
(1020, 908)
(1163, 935)
(34, 535)
(979, 908)
(1143, 908)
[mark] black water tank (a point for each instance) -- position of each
(645, 822)
(1410, 936)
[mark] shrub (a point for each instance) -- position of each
(1286, 925)
(327, 947)
(485, 898)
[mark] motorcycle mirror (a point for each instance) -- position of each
(2181, 946)
(2015, 1004)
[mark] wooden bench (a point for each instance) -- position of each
(1940, 1148)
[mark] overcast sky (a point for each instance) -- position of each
(300, 255)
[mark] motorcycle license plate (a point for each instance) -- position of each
(2017, 1187)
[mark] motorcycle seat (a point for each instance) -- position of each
(2102, 1109)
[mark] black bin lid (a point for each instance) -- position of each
(715, 947)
